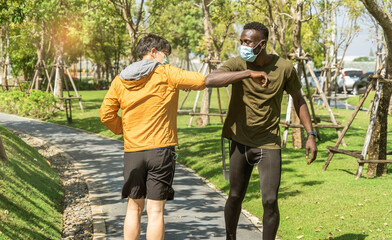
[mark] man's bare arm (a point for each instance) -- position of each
(220, 78)
(303, 113)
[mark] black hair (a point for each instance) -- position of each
(258, 27)
(152, 41)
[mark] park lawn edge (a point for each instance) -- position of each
(32, 196)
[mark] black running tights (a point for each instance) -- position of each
(242, 160)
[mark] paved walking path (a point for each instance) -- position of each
(196, 212)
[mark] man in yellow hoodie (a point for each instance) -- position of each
(147, 92)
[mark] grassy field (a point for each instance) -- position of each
(314, 204)
(30, 193)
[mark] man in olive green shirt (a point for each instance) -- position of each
(258, 81)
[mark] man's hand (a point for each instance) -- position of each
(312, 148)
(260, 78)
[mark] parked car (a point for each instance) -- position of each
(362, 84)
(348, 77)
(366, 75)
(310, 78)
(311, 82)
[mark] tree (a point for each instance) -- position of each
(133, 14)
(23, 54)
(63, 17)
(4, 61)
(181, 23)
(381, 11)
(11, 12)
(3, 155)
(297, 17)
(218, 18)
(104, 39)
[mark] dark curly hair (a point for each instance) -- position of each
(258, 27)
(152, 41)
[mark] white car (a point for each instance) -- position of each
(348, 77)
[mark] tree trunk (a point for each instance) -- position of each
(3, 155)
(378, 144)
(297, 133)
(377, 149)
(59, 48)
(187, 59)
(41, 57)
(208, 33)
(132, 23)
(109, 70)
(97, 72)
(134, 38)
(4, 44)
(2, 58)
(117, 56)
(279, 26)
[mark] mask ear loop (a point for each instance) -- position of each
(261, 49)
(162, 54)
(154, 56)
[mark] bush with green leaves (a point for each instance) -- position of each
(92, 85)
(37, 104)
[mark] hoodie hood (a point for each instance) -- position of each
(134, 76)
(137, 70)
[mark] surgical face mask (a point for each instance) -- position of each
(247, 52)
(165, 59)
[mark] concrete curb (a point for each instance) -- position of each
(99, 226)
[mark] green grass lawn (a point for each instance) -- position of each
(354, 100)
(314, 204)
(30, 193)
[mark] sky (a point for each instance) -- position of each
(361, 45)
(364, 41)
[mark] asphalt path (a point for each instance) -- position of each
(195, 213)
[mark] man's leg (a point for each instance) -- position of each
(240, 171)
(156, 224)
(269, 171)
(132, 219)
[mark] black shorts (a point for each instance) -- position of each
(149, 174)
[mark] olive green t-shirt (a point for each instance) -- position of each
(254, 112)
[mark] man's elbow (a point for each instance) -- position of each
(213, 81)
(102, 116)
(208, 81)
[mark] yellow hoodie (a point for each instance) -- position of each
(149, 104)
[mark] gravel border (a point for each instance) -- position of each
(78, 221)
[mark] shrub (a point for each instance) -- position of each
(92, 85)
(37, 104)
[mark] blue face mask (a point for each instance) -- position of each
(165, 59)
(247, 52)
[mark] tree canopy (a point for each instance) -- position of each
(106, 31)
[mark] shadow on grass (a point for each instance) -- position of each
(311, 183)
(205, 142)
(351, 236)
(347, 171)
(198, 144)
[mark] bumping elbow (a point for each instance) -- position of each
(211, 81)
(208, 81)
